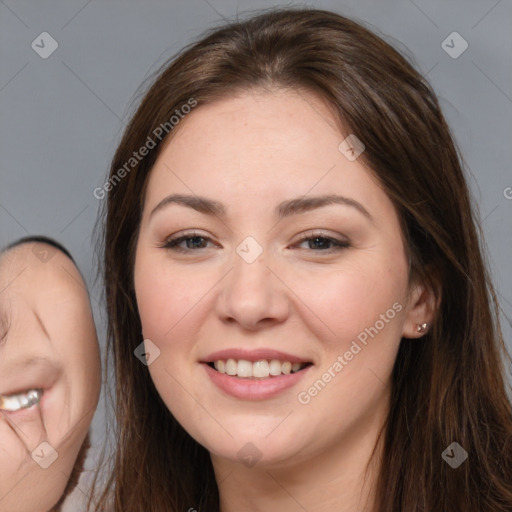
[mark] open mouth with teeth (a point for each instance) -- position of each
(262, 369)
(17, 401)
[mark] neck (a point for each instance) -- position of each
(341, 478)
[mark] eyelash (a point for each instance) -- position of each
(172, 243)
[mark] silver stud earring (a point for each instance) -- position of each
(422, 328)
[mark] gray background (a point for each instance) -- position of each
(62, 117)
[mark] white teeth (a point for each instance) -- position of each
(231, 367)
(286, 367)
(244, 368)
(261, 369)
(275, 367)
(18, 401)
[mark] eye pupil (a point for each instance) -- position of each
(195, 242)
(319, 242)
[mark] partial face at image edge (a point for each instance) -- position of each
(49, 374)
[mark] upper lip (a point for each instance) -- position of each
(39, 376)
(7, 398)
(253, 355)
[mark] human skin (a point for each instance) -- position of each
(46, 314)
(251, 152)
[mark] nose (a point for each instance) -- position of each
(252, 296)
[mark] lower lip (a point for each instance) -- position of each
(254, 389)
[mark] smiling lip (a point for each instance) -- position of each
(21, 400)
(42, 376)
(252, 355)
(36, 410)
(253, 388)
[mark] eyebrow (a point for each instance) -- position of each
(284, 209)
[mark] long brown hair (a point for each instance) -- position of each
(448, 387)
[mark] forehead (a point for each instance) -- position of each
(36, 273)
(262, 147)
(262, 124)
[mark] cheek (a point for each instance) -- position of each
(73, 400)
(169, 305)
(349, 300)
(365, 308)
(167, 300)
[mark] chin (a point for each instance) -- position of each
(250, 445)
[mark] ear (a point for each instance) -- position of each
(422, 306)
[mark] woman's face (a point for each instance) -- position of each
(285, 256)
(48, 343)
